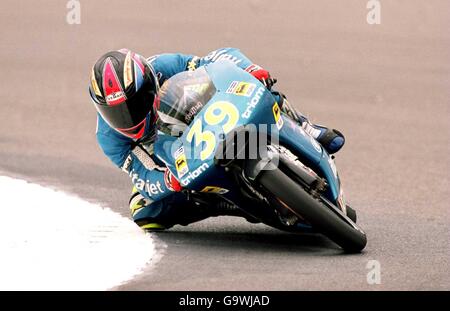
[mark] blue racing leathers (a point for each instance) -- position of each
(147, 173)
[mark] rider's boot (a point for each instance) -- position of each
(137, 203)
(164, 214)
(332, 140)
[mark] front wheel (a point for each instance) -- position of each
(348, 236)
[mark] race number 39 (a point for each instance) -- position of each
(215, 114)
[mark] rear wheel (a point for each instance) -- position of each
(343, 232)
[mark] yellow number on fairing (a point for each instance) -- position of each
(200, 136)
(214, 115)
(224, 109)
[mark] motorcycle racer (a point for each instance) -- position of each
(124, 88)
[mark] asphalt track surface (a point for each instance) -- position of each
(386, 87)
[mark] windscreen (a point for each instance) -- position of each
(181, 98)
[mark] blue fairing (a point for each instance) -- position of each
(253, 104)
(306, 147)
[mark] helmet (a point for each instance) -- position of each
(124, 89)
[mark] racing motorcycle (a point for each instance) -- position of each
(223, 135)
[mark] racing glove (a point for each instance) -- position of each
(262, 75)
(172, 183)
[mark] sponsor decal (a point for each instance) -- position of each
(111, 85)
(181, 162)
(277, 115)
(154, 188)
(147, 186)
(198, 88)
(232, 87)
(252, 103)
(252, 68)
(194, 174)
(115, 97)
(127, 71)
(213, 189)
(193, 111)
(241, 88)
(95, 85)
(178, 152)
(217, 55)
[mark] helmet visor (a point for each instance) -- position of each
(131, 112)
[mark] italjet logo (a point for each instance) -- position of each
(194, 174)
(252, 103)
(150, 188)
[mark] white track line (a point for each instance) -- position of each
(50, 240)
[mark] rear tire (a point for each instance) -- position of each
(313, 210)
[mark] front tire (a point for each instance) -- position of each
(350, 238)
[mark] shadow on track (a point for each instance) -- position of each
(252, 241)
